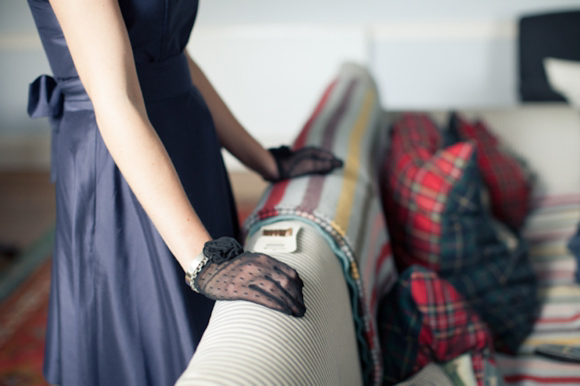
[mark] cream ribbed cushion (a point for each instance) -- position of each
(564, 77)
(247, 344)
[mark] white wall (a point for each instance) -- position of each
(24, 143)
(272, 75)
(271, 60)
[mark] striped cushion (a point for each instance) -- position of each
(548, 229)
(344, 205)
(534, 370)
(558, 324)
(508, 181)
(431, 375)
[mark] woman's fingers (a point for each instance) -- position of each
(264, 298)
(292, 285)
(284, 274)
(257, 278)
(316, 160)
(273, 294)
(281, 281)
(282, 267)
(307, 160)
(327, 161)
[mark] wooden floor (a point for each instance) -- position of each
(27, 206)
(247, 187)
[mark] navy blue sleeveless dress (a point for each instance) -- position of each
(120, 311)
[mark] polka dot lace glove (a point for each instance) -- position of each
(234, 274)
(307, 160)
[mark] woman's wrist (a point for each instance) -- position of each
(190, 245)
(215, 251)
(269, 170)
(194, 268)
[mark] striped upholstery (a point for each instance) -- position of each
(247, 344)
(548, 229)
(345, 205)
(558, 324)
(431, 375)
(536, 370)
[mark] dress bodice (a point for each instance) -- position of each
(158, 30)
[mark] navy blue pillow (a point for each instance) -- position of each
(450, 134)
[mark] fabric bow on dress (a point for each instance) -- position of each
(45, 98)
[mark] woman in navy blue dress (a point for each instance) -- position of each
(141, 188)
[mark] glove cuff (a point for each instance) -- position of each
(280, 153)
(222, 249)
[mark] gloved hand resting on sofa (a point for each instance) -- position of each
(230, 273)
(307, 160)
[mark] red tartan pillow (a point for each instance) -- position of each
(432, 199)
(424, 319)
(507, 180)
(437, 219)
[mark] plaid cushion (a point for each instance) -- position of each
(437, 219)
(424, 319)
(504, 175)
(434, 198)
(502, 289)
(414, 139)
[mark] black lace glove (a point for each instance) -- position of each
(307, 160)
(234, 274)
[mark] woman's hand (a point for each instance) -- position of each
(274, 165)
(234, 274)
(307, 160)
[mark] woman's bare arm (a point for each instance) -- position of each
(99, 44)
(230, 132)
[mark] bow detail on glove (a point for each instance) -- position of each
(307, 160)
(234, 274)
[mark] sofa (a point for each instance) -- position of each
(344, 251)
(342, 244)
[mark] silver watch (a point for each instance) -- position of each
(194, 268)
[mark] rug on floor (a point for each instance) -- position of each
(22, 329)
(23, 314)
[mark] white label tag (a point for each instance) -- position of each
(278, 237)
(460, 370)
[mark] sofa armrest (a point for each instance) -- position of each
(250, 344)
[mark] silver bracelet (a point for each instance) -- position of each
(194, 268)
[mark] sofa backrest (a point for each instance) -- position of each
(545, 135)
